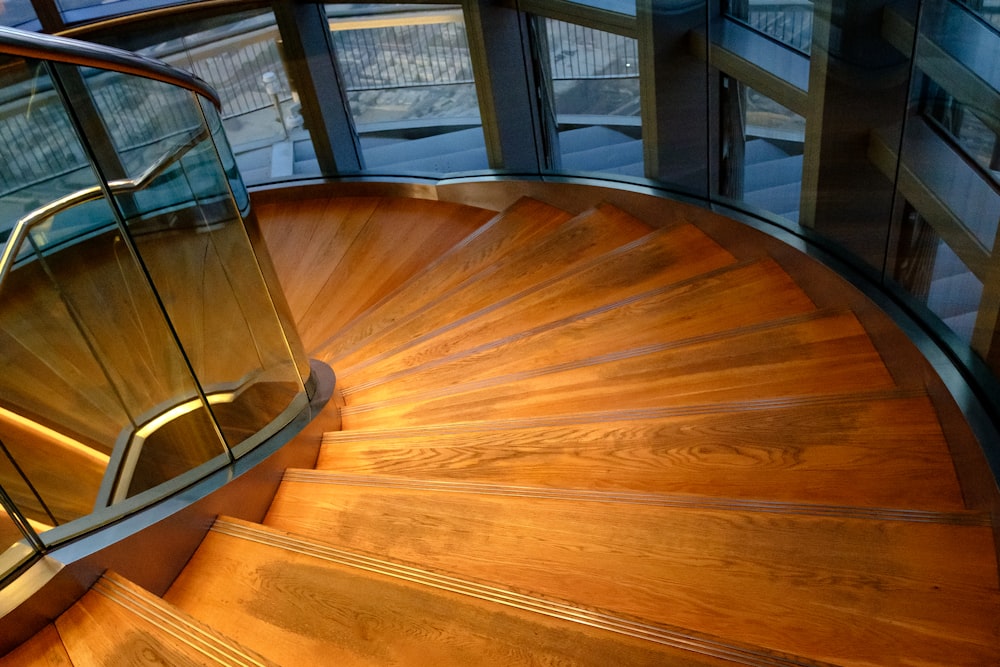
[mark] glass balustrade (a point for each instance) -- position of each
(142, 344)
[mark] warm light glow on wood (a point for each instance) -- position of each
(49, 434)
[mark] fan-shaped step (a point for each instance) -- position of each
(838, 585)
(118, 623)
(303, 603)
(339, 256)
(726, 299)
(586, 236)
(870, 450)
(664, 257)
(810, 355)
(518, 227)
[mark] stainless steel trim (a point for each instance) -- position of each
(74, 52)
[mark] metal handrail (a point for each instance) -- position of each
(85, 54)
(119, 186)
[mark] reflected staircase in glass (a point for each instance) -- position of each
(581, 437)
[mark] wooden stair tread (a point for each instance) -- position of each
(516, 227)
(817, 354)
(117, 621)
(340, 256)
(727, 299)
(665, 257)
(871, 451)
(44, 648)
(839, 589)
(588, 235)
(303, 604)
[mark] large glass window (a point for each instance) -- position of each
(927, 268)
(788, 21)
(594, 88)
(408, 79)
(762, 147)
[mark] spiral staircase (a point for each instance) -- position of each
(581, 438)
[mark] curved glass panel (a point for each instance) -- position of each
(137, 334)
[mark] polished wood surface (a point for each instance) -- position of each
(118, 623)
(819, 354)
(347, 254)
(584, 441)
(45, 648)
(724, 300)
(653, 262)
(521, 225)
(765, 576)
(875, 451)
(585, 237)
(302, 605)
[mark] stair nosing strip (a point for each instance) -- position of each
(166, 620)
(679, 501)
(676, 638)
(570, 271)
(620, 355)
(465, 242)
(549, 326)
(630, 414)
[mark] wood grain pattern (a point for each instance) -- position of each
(45, 648)
(584, 237)
(306, 607)
(873, 451)
(920, 592)
(516, 227)
(815, 355)
(118, 623)
(718, 302)
(363, 250)
(664, 258)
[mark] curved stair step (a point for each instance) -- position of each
(586, 236)
(730, 298)
(517, 227)
(664, 257)
(305, 603)
(832, 584)
(117, 622)
(867, 449)
(366, 247)
(816, 354)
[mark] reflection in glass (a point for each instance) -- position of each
(15, 549)
(18, 14)
(408, 79)
(594, 79)
(788, 21)
(964, 125)
(929, 269)
(619, 6)
(240, 56)
(187, 230)
(762, 147)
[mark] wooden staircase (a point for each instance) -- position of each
(578, 439)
